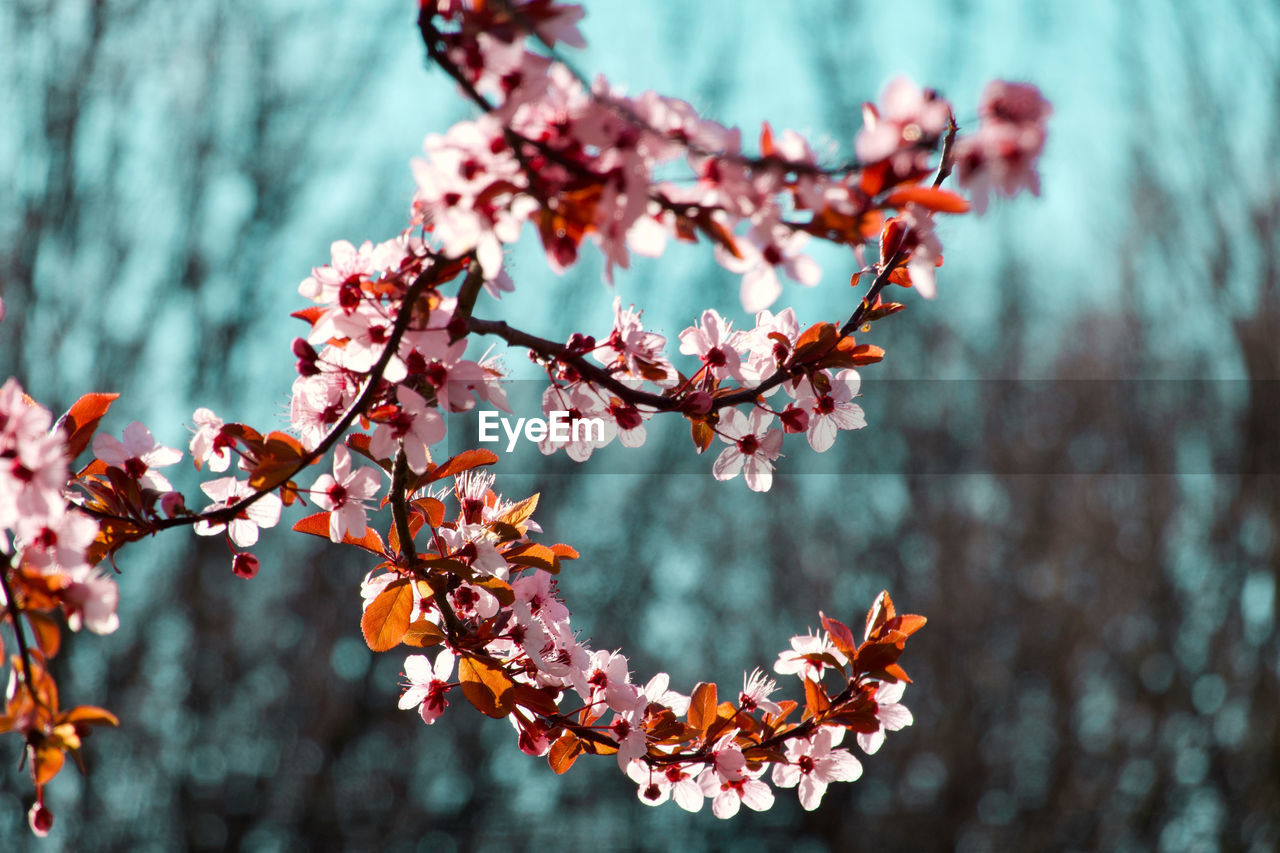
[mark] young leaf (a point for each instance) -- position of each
(938, 200)
(80, 421)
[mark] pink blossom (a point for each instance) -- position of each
(243, 529)
(906, 126)
(1002, 155)
(344, 493)
(137, 456)
(428, 685)
(90, 600)
(809, 657)
(756, 690)
(813, 764)
(752, 445)
(659, 784)
(926, 250)
(208, 446)
(417, 425)
(768, 246)
(831, 411)
(640, 354)
(715, 342)
(56, 542)
(891, 714)
(606, 679)
(730, 784)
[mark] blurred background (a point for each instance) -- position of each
(1099, 670)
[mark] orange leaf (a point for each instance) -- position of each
(82, 419)
(564, 552)
(702, 434)
(48, 636)
(432, 510)
(564, 752)
(464, 461)
(46, 761)
(423, 634)
(486, 686)
(90, 715)
(941, 201)
(702, 706)
(310, 315)
(386, 618)
(317, 524)
(537, 556)
(499, 588)
(519, 513)
(881, 611)
(816, 341)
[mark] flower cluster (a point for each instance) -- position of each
(48, 551)
(384, 358)
(486, 594)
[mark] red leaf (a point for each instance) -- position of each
(311, 315)
(840, 635)
(82, 419)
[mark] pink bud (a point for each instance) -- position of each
(697, 403)
(244, 565)
(794, 420)
(173, 503)
(40, 818)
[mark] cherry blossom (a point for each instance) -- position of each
(831, 411)
(660, 784)
(752, 446)
(768, 246)
(756, 690)
(730, 784)
(90, 599)
(715, 342)
(890, 713)
(813, 764)
(208, 445)
(137, 456)
(810, 657)
(1002, 155)
(243, 529)
(417, 425)
(344, 493)
(428, 685)
(904, 127)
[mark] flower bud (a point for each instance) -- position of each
(244, 565)
(697, 403)
(40, 818)
(794, 419)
